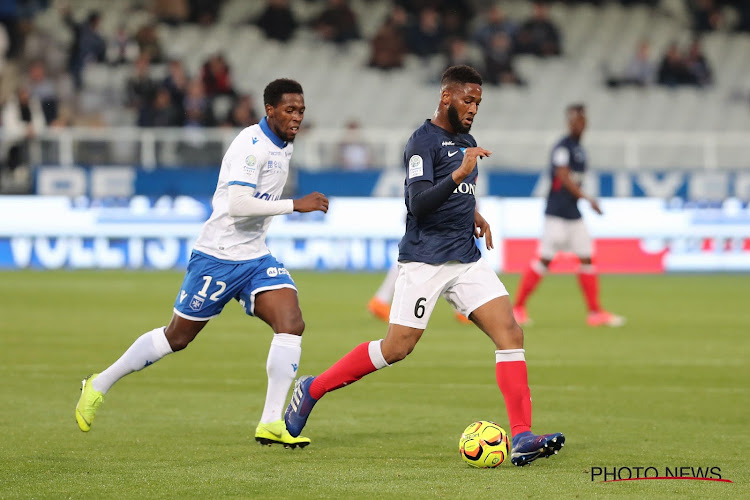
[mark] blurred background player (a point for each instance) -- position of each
(438, 256)
(564, 230)
(380, 304)
(230, 260)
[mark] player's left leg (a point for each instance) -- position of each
(280, 309)
(483, 296)
(380, 304)
(495, 318)
(582, 245)
(553, 237)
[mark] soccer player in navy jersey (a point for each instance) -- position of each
(564, 230)
(438, 256)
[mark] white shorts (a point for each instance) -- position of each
(564, 235)
(464, 286)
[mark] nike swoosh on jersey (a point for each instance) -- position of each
(452, 153)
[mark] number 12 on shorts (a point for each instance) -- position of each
(222, 286)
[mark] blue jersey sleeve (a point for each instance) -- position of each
(419, 158)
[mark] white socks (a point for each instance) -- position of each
(385, 292)
(146, 350)
(283, 360)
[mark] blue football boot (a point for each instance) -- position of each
(527, 447)
(300, 406)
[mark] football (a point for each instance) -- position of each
(484, 444)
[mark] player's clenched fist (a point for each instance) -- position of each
(469, 162)
(311, 202)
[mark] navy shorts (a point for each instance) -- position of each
(210, 283)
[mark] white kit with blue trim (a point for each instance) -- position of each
(259, 159)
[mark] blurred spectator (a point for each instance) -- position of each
(197, 106)
(140, 88)
(697, 65)
(277, 20)
(44, 90)
(454, 24)
(148, 42)
(88, 44)
(673, 69)
(458, 53)
(4, 44)
(204, 12)
(426, 37)
(495, 22)
(498, 61)
(538, 35)
(640, 71)
(242, 114)
(337, 23)
(353, 152)
(10, 19)
(742, 7)
(388, 47)
(216, 76)
(161, 112)
(176, 83)
(123, 49)
(706, 15)
(171, 12)
(23, 120)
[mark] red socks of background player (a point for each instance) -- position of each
(510, 372)
(363, 359)
(529, 280)
(589, 282)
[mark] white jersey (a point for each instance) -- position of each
(256, 158)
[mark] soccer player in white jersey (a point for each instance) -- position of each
(231, 261)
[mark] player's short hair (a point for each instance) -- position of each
(576, 107)
(460, 75)
(277, 88)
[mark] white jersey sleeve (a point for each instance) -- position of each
(244, 162)
(257, 161)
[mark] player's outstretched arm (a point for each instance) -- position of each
(563, 174)
(311, 202)
(469, 163)
(482, 228)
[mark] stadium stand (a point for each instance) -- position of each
(340, 87)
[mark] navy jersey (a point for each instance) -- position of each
(561, 202)
(447, 234)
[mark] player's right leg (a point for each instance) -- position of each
(206, 288)
(145, 351)
(360, 361)
(417, 289)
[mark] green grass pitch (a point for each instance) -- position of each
(670, 389)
